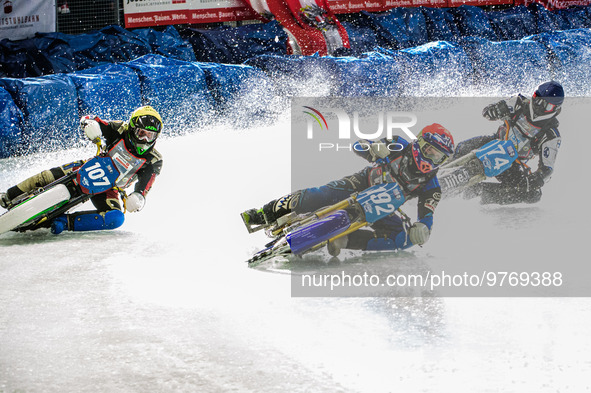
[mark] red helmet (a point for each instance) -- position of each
(432, 148)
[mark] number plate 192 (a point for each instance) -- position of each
(380, 201)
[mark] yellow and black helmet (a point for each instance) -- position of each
(145, 124)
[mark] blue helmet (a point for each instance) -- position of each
(547, 98)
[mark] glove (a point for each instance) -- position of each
(378, 151)
(418, 233)
(135, 202)
(496, 111)
(91, 127)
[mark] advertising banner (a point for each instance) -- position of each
(351, 6)
(20, 19)
(143, 13)
(478, 3)
(555, 4)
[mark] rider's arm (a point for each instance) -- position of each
(109, 130)
(503, 109)
(147, 175)
(419, 232)
(548, 150)
(428, 198)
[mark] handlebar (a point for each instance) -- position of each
(99, 146)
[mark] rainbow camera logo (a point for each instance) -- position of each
(316, 115)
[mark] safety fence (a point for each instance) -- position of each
(161, 69)
(399, 28)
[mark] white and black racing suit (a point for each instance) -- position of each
(533, 136)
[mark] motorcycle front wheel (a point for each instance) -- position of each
(32, 208)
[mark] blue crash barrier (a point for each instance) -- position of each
(11, 119)
(386, 30)
(570, 57)
(35, 57)
(124, 44)
(177, 88)
(52, 53)
(299, 75)
(440, 25)
(576, 17)
(416, 24)
(40, 110)
(397, 28)
(110, 91)
(513, 23)
(473, 21)
(436, 68)
(547, 21)
(50, 110)
(362, 38)
(241, 93)
(374, 74)
(508, 65)
(88, 50)
(420, 70)
(168, 43)
(236, 45)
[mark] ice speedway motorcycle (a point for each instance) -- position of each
(294, 234)
(38, 208)
(298, 234)
(488, 161)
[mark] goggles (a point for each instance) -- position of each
(431, 153)
(544, 106)
(145, 135)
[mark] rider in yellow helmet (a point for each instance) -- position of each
(134, 139)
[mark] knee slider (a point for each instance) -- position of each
(98, 221)
(114, 219)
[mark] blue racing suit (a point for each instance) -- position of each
(389, 232)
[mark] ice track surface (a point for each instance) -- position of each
(166, 303)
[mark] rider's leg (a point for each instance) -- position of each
(107, 216)
(512, 188)
(387, 234)
(40, 180)
(308, 200)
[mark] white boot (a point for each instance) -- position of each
(4, 202)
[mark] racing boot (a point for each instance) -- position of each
(269, 213)
(280, 207)
(253, 217)
(60, 224)
(4, 201)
